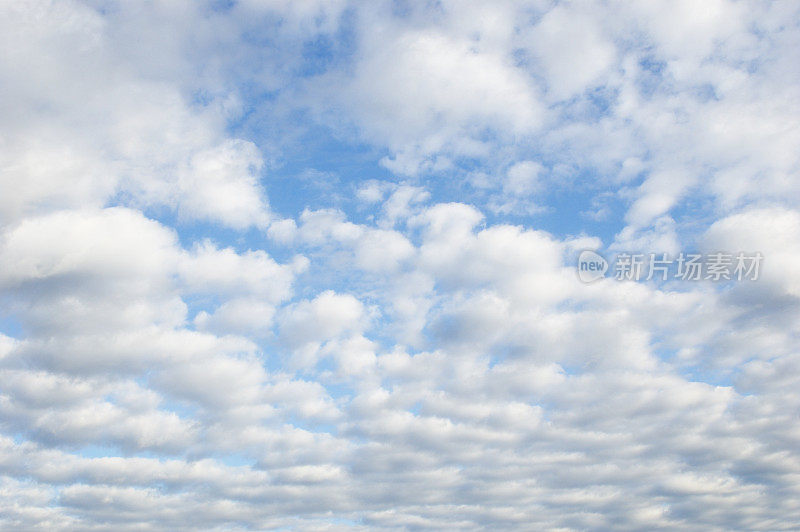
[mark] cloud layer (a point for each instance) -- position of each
(310, 265)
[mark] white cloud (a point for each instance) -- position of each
(572, 50)
(88, 125)
(209, 269)
(424, 91)
(773, 232)
(421, 354)
(381, 250)
(245, 316)
(221, 184)
(522, 177)
(326, 316)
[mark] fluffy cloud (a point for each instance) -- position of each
(428, 92)
(572, 51)
(88, 124)
(412, 349)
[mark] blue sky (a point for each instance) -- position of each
(275, 265)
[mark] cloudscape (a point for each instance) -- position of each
(399, 264)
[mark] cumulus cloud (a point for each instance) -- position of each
(188, 341)
(88, 123)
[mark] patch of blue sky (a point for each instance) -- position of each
(308, 425)
(694, 213)
(709, 374)
(325, 172)
(234, 459)
(274, 358)
(197, 303)
(322, 171)
(112, 451)
(318, 55)
(99, 451)
(11, 326)
(183, 409)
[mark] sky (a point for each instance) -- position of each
(276, 265)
